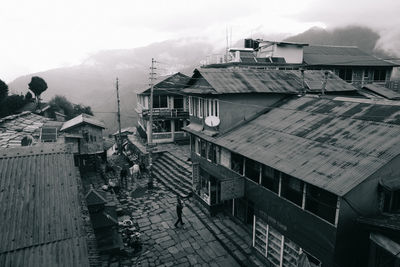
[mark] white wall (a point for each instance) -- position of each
(292, 54)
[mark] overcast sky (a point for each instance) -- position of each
(42, 34)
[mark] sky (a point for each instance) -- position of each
(45, 34)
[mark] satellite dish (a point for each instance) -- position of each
(212, 121)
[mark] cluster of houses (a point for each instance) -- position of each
(299, 143)
(48, 218)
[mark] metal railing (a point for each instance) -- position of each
(167, 112)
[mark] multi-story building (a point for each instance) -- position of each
(170, 110)
(85, 134)
(295, 169)
(348, 62)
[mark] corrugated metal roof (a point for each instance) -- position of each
(341, 56)
(41, 222)
(383, 91)
(83, 118)
(169, 84)
(228, 81)
(332, 144)
(14, 127)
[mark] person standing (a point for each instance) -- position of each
(179, 207)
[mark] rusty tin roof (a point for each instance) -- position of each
(331, 144)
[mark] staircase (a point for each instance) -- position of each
(175, 173)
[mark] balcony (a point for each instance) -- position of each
(166, 113)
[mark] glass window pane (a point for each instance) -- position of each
(270, 178)
(292, 189)
(252, 170)
(237, 163)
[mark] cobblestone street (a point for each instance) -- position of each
(166, 245)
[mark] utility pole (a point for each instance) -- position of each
(119, 121)
(150, 137)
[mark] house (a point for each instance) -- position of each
(350, 63)
(27, 126)
(382, 231)
(88, 130)
(124, 133)
(233, 96)
(170, 110)
(43, 221)
(299, 173)
(85, 134)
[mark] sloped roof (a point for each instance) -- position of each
(341, 56)
(331, 144)
(14, 127)
(41, 222)
(94, 197)
(229, 81)
(382, 91)
(168, 84)
(80, 119)
(131, 130)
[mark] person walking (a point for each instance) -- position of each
(179, 207)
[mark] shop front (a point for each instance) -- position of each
(215, 187)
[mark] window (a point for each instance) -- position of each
(198, 145)
(292, 189)
(346, 74)
(237, 163)
(192, 144)
(179, 124)
(380, 75)
(190, 105)
(178, 102)
(195, 106)
(204, 185)
(391, 200)
(203, 148)
(160, 101)
(270, 178)
(213, 153)
(252, 170)
(163, 126)
(321, 202)
(201, 102)
(277, 248)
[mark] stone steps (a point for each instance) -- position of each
(173, 173)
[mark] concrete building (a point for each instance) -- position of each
(292, 168)
(348, 62)
(170, 110)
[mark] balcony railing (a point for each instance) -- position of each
(166, 113)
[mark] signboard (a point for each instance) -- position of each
(232, 188)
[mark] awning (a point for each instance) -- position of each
(386, 243)
(193, 127)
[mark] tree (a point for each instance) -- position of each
(79, 109)
(3, 90)
(61, 103)
(11, 104)
(37, 86)
(28, 96)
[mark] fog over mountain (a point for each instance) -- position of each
(93, 82)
